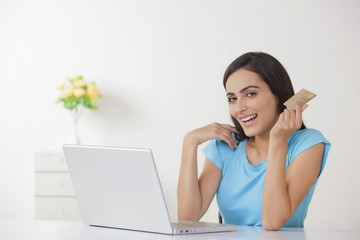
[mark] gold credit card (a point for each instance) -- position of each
(302, 97)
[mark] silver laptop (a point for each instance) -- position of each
(120, 188)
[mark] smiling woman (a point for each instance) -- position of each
(268, 70)
(254, 106)
(264, 170)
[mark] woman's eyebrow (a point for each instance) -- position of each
(246, 88)
(242, 90)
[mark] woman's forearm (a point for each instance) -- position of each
(276, 207)
(193, 203)
(189, 196)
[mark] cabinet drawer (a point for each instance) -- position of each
(51, 208)
(53, 184)
(50, 161)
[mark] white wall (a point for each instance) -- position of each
(159, 65)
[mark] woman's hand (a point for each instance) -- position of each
(289, 122)
(212, 131)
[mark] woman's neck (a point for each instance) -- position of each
(260, 143)
(257, 149)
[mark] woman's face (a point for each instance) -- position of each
(251, 102)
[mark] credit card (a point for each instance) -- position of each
(302, 97)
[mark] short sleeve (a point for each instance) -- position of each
(304, 139)
(213, 152)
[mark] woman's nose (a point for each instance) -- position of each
(239, 107)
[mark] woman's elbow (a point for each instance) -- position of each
(272, 225)
(273, 222)
(188, 217)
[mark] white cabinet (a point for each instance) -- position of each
(54, 193)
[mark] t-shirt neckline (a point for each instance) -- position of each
(255, 167)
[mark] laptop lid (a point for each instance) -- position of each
(118, 187)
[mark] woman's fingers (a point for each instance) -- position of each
(287, 115)
(293, 118)
(289, 121)
(304, 107)
(217, 130)
(212, 131)
(299, 111)
(298, 115)
(229, 139)
(229, 127)
(226, 135)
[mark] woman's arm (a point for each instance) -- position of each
(195, 195)
(284, 191)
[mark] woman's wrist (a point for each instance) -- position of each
(279, 137)
(277, 144)
(278, 141)
(189, 140)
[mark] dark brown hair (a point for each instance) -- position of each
(271, 72)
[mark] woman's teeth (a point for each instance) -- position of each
(246, 119)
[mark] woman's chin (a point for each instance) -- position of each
(252, 132)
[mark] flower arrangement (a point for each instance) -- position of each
(78, 93)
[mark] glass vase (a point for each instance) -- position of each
(75, 114)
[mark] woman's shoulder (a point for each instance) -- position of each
(219, 152)
(304, 139)
(308, 134)
(222, 146)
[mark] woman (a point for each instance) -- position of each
(264, 169)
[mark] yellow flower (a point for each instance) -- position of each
(92, 92)
(79, 83)
(75, 77)
(61, 86)
(68, 92)
(79, 92)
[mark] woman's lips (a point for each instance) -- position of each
(249, 120)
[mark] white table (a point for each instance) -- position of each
(53, 230)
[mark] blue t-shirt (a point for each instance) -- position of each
(240, 192)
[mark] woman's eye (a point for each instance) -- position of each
(249, 94)
(231, 99)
